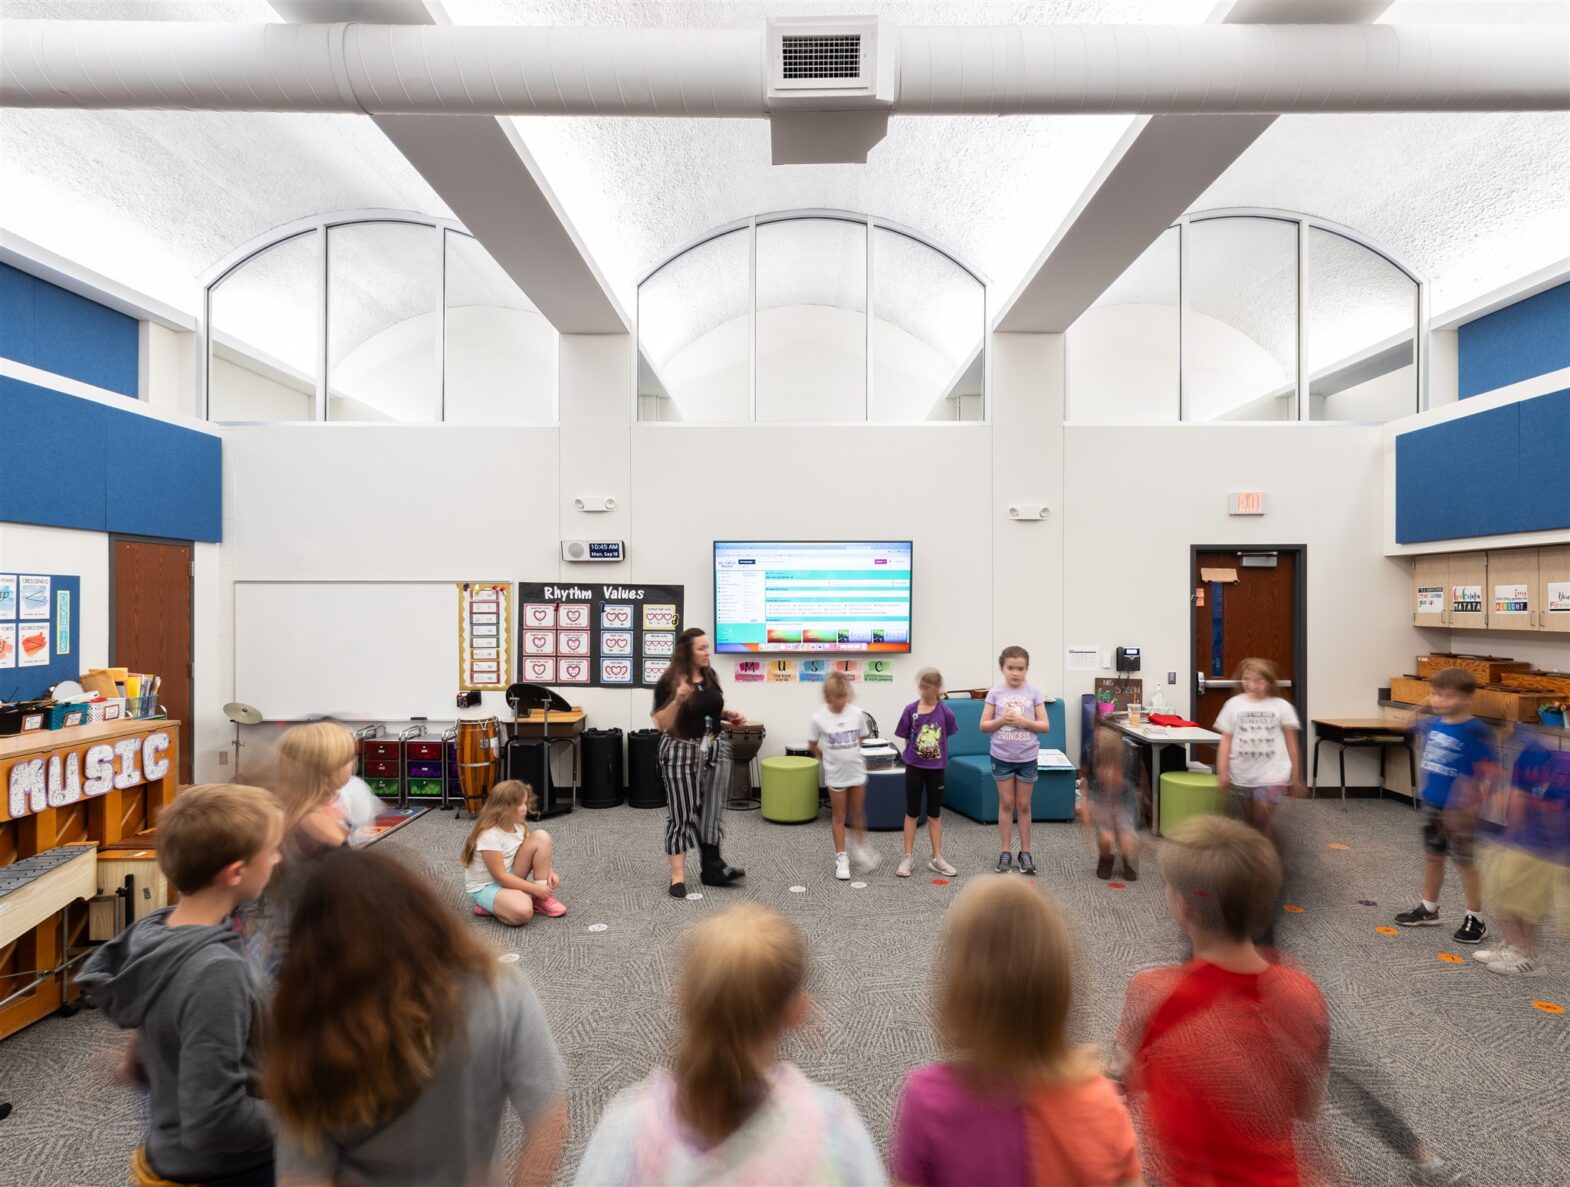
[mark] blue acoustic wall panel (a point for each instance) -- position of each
(1520, 341)
(74, 463)
(47, 327)
(1489, 474)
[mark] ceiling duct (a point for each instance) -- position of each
(830, 88)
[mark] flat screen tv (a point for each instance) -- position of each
(812, 596)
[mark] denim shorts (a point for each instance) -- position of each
(1025, 772)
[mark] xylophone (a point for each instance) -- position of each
(36, 888)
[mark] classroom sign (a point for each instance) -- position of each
(484, 634)
(597, 636)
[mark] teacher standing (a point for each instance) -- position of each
(695, 760)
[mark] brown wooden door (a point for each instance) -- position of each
(1254, 616)
(151, 581)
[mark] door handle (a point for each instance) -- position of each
(1200, 683)
(1204, 684)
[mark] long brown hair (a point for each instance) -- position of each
(1005, 987)
(500, 811)
(362, 1010)
(743, 969)
(309, 758)
(682, 663)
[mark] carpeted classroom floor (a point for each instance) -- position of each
(1461, 1052)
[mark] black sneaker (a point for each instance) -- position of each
(1104, 866)
(1004, 861)
(1418, 916)
(1471, 931)
(1130, 874)
(1027, 863)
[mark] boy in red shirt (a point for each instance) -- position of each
(1227, 1053)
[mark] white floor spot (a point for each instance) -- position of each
(798, 890)
(599, 926)
(858, 886)
(508, 958)
(694, 897)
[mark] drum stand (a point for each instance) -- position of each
(545, 807)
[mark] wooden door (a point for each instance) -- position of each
(1256, 616)
(1430, 576)
(1553, 578)
(1466, 602)
(151, 585)
(1512, 590)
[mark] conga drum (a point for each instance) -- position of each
(745, 742)
(479, 741)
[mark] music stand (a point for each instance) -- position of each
(550, 701)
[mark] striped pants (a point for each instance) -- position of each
(697, 778)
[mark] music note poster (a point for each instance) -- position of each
(599, 636)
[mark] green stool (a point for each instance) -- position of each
(1187, 793)
(790, 789)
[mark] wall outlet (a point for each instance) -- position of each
(1171, 677)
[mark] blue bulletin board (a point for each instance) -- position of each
(34, 606)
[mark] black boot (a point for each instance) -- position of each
(714, 870)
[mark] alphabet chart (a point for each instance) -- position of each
(484, 634)
(602, 636)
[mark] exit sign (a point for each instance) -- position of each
(1246, 502)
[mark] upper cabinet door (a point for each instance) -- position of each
(1512, 590)
(1553, 578)
(1430, 579)
(1466, 598)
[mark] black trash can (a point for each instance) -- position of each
(603, 786)
(645, 788)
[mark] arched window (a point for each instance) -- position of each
(377, 316)
(809, 317)
(1233, 315)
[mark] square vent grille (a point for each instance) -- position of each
(820, 57)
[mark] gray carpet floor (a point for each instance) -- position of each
(1461, 1052)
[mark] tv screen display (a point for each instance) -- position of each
(812, 595)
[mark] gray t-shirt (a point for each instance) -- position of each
(448, 1135)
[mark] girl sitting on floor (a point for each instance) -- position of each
(508, 871)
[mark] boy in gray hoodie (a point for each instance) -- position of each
(179, 979)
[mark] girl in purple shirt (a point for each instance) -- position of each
(925, 729)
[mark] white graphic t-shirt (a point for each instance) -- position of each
(505, 841)
(1259, 749)
(839, 736)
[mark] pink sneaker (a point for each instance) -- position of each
(479, 910)
(550, 906)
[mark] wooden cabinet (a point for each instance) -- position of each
(1466, 598)
(1509, 589)
(1512, 590)
(1553, 578)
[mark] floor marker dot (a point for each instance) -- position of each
(1451, 958)
(507, 958)
(798, 890)
(1388, 931)
(599, 927)
(1339, 845)
(1366, 902)
(858, 886)
(1291, 908)
(940, 881)
(694, 896)
(1548, 1007)
(1117, 885)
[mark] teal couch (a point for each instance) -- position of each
(969, 788)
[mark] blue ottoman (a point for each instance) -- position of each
(886, 800)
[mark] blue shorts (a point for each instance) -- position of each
(486, 896)
(1025, 772)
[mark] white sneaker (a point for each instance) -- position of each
(938, 866)
(904, 866)
(842, 866)
(866, 858)
(1517, 964)
(1489, 955)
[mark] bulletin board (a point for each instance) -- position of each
(40, 633)
(596, 636)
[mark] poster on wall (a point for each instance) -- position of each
(1559, 597)
(32, 644)
(7, 596)
(484, 635)
(880, 671)
(62, 622)
(1118, 691)
(1466, 599)
(7, 644)
(749, 671)
(814, 671)
(33, 596)
(782, 671)
(1430, 599)
(598, 636)
(1511, 599)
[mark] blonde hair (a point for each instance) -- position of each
(500, 811)
(211, 826)
(743, 969)
(1226, 873)
(1004, 991)
(836, 681)
(1262, 668)
(309, 757)
(929, 676)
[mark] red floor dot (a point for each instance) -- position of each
(1339, 845)
(940, 881)
(1118, 885)
(1291, 908)
(1452, 958)
(1388, 931)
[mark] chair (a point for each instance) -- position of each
(790, 789)
(969, 787)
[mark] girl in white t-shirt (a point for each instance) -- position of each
(507, 866)
(1259, 756)
(834, 737)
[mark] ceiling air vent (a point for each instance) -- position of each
(820, 57)
(832, 57)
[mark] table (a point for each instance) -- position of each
(1353, 733)
(1159, 738)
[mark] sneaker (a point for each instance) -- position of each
(865, 857)
(938, 866)
(1418, 916)
(1517, 964)
(1005, 860)
(1471, 931)
(550, 906)
(1104, 866)
(1130, 874)
(904, 866)
(842, 866)
(481, 911)
(1489, 955)
(1027, 863)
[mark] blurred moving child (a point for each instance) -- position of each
(1111, 801)
(729, 1111)
(1526, 871)
(1015, 1104)
(924, 730)
(397, 1041)
(315, 761)
(834, 737)
(1259, 757)
(1227, 1054)
(1015, 716)
(507, 865)
(181, 980)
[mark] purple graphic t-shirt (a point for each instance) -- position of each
(1014, 743)
(926, 735)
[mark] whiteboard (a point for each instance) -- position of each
(360, 651)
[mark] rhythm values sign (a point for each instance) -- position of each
(599, 636)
